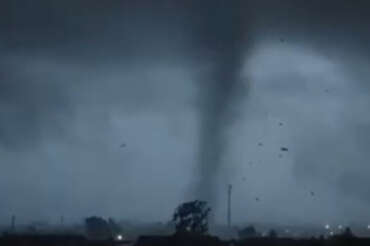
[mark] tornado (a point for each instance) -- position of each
(222, 41)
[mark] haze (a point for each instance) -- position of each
(105, 107)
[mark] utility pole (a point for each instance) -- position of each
(229, 205)
(13, 223)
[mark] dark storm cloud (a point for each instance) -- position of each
(80, 78)
(337, 30)
(322, 93)
(77, 80)
(89, 36)
(90, 41)
(28, 107)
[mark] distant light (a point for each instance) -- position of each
(287, 231)
(340, 227)
(327, 227)
(331, 233)
(368, 227)
(119, 237)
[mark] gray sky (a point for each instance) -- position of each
(78, 79)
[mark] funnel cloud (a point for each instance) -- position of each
(221, 39)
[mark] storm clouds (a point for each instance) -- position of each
(126, 109)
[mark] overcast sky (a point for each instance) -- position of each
(102, 109)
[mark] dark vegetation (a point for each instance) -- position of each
(182, 240)
(191, 222)
(192, 217)
(248, 232)
(99, 229)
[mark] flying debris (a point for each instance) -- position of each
(122, 145)
(280, 156)
(244, 179)
(312, 193)
(260, 144)
(257, 199)
(280, 123)
(282, 40)
(284, 149)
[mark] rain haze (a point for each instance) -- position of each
(128, 108)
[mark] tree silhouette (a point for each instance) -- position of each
(248, 232)
(97, 228)
(272, 234)
(192, 217)
(347, 233)
(114, 227)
